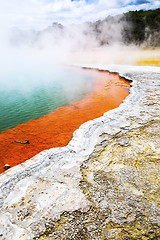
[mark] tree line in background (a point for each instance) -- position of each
(140, 28)
(145, 27)
(134, 27)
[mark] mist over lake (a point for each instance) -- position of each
(31, 93)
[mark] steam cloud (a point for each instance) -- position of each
(73, 44)
(98, 42)
(31, 58)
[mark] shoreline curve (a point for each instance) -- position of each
(56, 128)
(53, 184)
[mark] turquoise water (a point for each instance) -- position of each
(26, 95)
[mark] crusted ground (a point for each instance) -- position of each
(122, 184)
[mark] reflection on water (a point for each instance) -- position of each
(26, 95)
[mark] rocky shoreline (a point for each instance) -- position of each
(103, 184)
(56, 128)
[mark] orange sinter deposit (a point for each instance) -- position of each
(56, 129)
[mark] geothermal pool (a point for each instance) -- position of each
(88, 93)
(26, 95)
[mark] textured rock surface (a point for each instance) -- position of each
(103, 185)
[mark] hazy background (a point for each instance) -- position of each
(38, 14)
(42, 33)
(39, 38)
(129, 38)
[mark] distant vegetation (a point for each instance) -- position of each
(140, 28)
(134, 27)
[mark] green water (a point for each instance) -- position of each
(28, 95)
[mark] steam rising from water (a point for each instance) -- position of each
(31, 66)
(32, 81)
(29, 51)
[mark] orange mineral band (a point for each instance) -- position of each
(55, 130)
